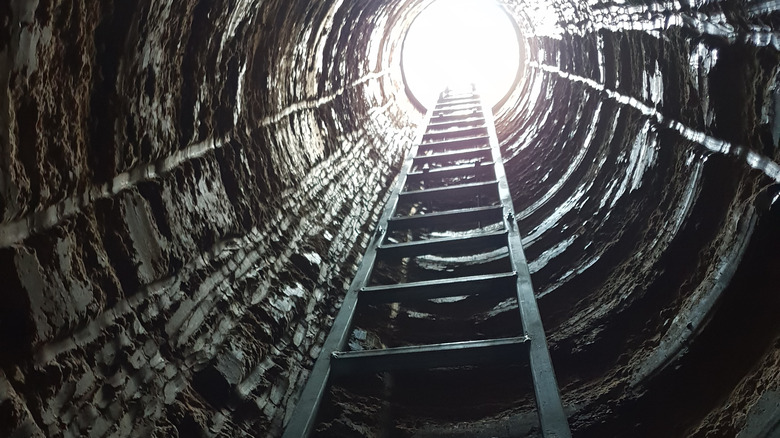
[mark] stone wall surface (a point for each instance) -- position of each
(183, 200)
(186, 189)
(643, 148)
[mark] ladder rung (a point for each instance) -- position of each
(467, 154)
(482, 171)
(465, 112)
(451, 354)
(458, 96)
(462, 121)
(482, 140)
(437, 245)
(457, 117)
(455, 133)
(501, 285)
(457, 109)
(458, 170)
(457, 103)
(445, 218)
(462, 191)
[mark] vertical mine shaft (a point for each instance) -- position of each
(187, 188)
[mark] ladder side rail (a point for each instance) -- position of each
(548, 400)
(304, 416)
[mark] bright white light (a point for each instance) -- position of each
(457, 42)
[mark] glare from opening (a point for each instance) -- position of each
(459, 42)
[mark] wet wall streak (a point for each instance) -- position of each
(642, 155)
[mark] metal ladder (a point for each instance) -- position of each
(458, 144)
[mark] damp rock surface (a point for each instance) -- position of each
(186, 190)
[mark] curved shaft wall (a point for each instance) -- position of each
(186, 189)
(644, 161)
